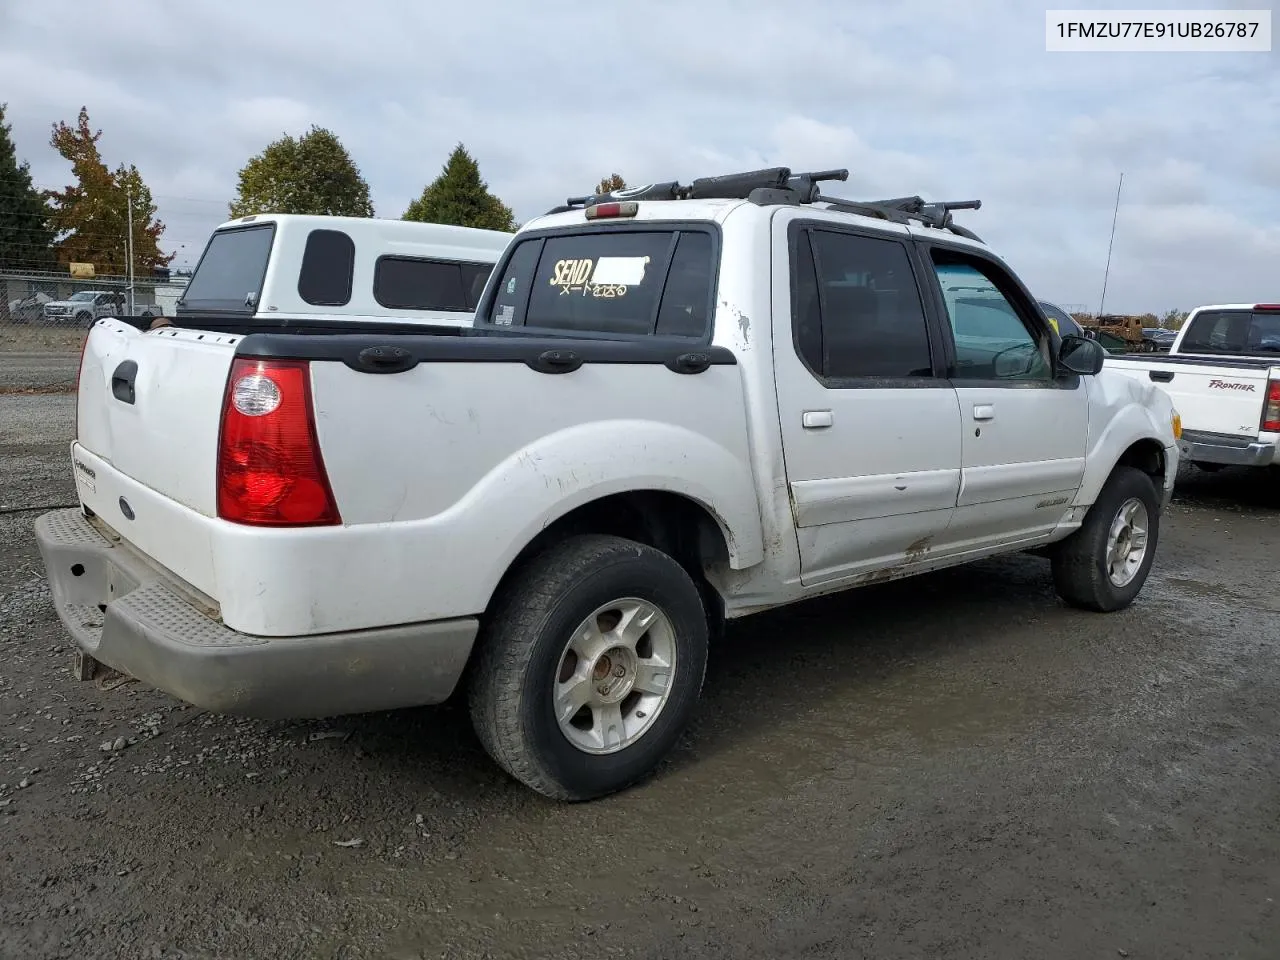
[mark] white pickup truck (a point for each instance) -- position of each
(682, 405)
(1223, 375)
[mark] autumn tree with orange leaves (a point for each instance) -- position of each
(91, 217)
(610, 183)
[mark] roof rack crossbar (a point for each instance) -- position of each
(733, 186)
(779, 185)
(904, 210)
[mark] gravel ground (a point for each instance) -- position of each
(41, 371)
(37, 338)
(953, 766)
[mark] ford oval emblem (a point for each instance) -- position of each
(126, 509)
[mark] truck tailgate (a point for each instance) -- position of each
(148, 414)
(1211, 395)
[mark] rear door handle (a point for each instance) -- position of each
(984, 411)
(1160, 376)
(816, 419)
(122, 381)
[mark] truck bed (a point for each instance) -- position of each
(1213, 394)
(415, 431)
(1220, 400)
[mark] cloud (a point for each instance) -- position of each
(949, 100)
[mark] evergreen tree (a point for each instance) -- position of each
(312, 174)
(460, 196)
(91, 217)
(26, 241)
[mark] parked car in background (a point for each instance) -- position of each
(289, 272)
(85, 306)
(1162, 338)
(1062, 322)
(28, 309)
(1223, 374)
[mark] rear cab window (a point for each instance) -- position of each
(1233, 332)
(653, 280)
(229, 276)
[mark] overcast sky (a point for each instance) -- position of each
(951, 99)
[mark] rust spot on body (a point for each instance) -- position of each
(919, 550)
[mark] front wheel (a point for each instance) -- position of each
(590, 665)
(1103, 565)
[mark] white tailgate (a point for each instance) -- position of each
(167, 439)
(1209, 397)
(147, 468)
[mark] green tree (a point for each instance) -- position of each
(1173, 319)
(311, 174)
(610, 183)
(26, 241)
(460, 196)
(91, 217)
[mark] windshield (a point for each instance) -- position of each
(610, 282)
(230, 273)
(82, 295)
(1233, 331)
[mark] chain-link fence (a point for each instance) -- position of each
(52, 310)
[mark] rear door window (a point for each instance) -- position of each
(610, 282)
(856, 308)
(229, 277)
(1232, 332)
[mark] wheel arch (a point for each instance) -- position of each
(679, 525)
(1147, 455)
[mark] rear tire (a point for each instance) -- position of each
(609, 623)
(1103, 565)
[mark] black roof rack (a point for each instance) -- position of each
(778, 185)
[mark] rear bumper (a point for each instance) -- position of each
(1226, 449)
(134, 618)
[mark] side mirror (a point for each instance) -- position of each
(1081, 355)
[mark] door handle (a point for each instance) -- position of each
(1160, 376)
(984, 411)
(816, 419)
(122, 381)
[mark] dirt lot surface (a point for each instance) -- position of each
(954, 766)
(27, 338)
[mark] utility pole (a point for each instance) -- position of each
(128, 248)
(1107, 272)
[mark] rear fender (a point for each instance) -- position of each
(539, 484)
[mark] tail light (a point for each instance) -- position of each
(270, 470)
(1271, 409)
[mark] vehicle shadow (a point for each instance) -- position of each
(840, 648)
(767, 669)
(1231, 488)
(834, 652)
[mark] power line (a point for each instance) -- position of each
(43, 185)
